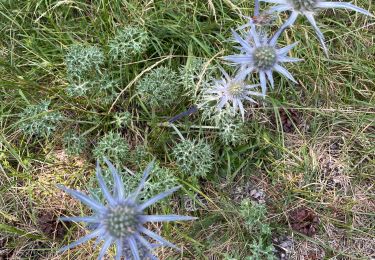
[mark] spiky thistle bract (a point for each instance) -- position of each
(309, 8)
(231, 90)
(260, 54)
(121, 221)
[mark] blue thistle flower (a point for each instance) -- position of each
(258, 53)
(233, 90)
(121, 221)
(309, 8)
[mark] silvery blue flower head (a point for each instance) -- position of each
(121, 221)
(260, 54)
(309, 8)
(233, 90)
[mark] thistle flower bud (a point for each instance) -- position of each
(121, 221)
(265, 57)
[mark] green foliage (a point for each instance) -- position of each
(140, 155)
(86, 75)
(128, 43)
(38, 120)
(335, 96)
(261, 250)
(255, 220)
(255, 217)
(160, 88)
(192, 72)
(105, 89)
(83, 62)
(122, 119)
(232, 130)
(74, 144)
(113, 147)
(193, 157)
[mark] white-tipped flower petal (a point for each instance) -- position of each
(103, 250)
(311, 19)
(144, 241)
(142, 183)
(158, 238)
(80, 219)
(133, 248)
(119, 249)
(103, 186)
(231, 90)
(284, 72)
(263, 82)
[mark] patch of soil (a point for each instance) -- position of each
(49, 224)
(305, 221)
(4, 252)
(289, 119)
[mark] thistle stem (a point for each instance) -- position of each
(188, 112)
(283, 27)
(177, 131)
(256, 8)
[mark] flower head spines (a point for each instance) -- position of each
(308, 8)
(121, 221)
(231, 90)
(260, 54)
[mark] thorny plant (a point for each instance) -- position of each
(121, 220)
(260, 54)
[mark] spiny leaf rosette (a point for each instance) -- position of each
(309, 8)
(261, 55)
(233, 90)
(121, 221)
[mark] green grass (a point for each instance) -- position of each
(332, 141)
